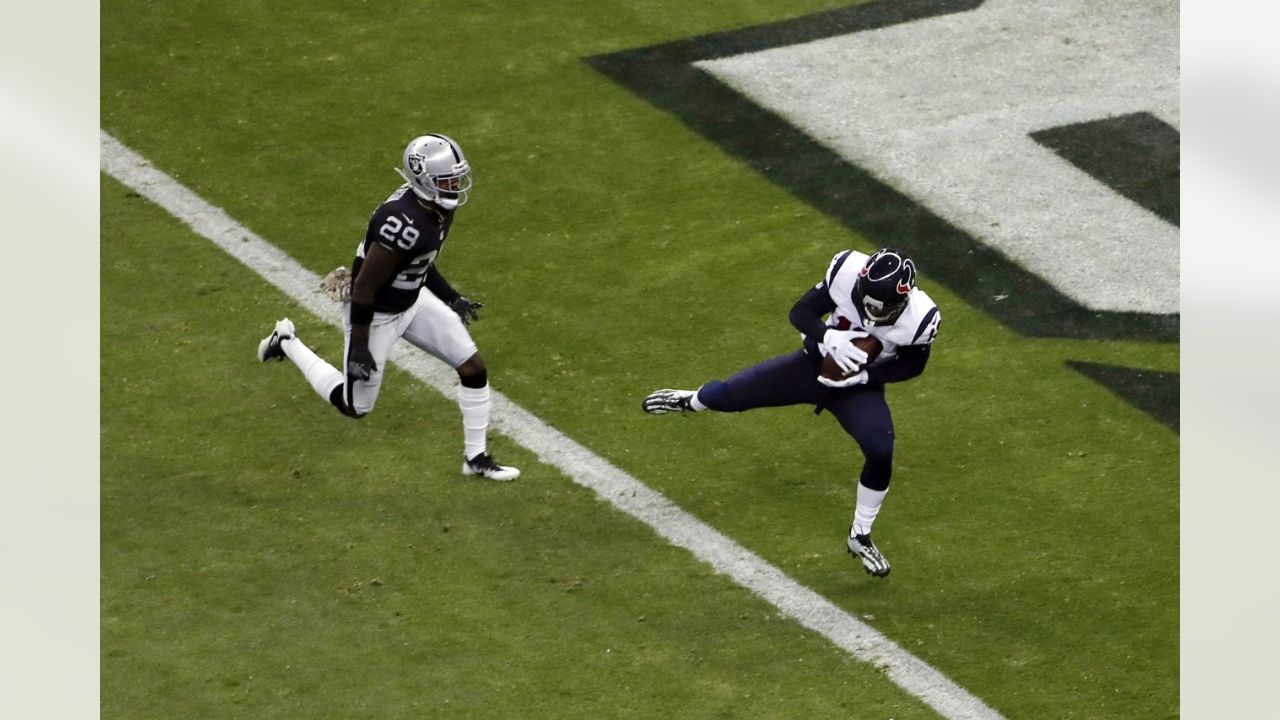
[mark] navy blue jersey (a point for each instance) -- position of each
(416, 232)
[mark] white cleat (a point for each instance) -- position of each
(269, 348)
(661, 402)
(861, 547)
(484, 466)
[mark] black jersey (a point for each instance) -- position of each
(417, 233)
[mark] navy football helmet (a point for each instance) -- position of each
(884, 286)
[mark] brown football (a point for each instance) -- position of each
(870, 345)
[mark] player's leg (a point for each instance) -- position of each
(439, 331)
(864, 414)
(283, 343)
(789, 379)
(355, 398)
(358, 396)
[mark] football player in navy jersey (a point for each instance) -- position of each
(396, 259)
(858, 296)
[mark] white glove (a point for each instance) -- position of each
(837, 344)
(855, 379)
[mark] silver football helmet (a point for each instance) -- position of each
(436, 169)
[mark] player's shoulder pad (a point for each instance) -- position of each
(397, 203)
(929, 318)
(842, 273)
(385, 208)
(851, 259)
(919, 323)
(399, 193)
(393, 224)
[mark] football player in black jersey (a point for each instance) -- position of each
(394, 262)
(859, 296)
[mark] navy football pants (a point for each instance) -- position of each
(792, 379)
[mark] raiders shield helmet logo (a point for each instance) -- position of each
(415, 164)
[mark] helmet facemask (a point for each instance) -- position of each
(879, 312)
(452, 190)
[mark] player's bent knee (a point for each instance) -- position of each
(877, 471)
(473, 373)
(877, 449)
(472, 365)
(717, 395)
(339, 402)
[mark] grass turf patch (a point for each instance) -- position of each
(261, 554)
(1032, 521)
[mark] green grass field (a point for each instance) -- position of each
(264, 557)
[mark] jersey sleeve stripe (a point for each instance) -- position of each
(924, 324)
(835, 267)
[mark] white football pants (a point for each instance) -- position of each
(428, 325)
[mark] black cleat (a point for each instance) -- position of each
(484, 466)
(661, 402)
(861, 547)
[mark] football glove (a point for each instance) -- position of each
(857, 378)
(466, 309)
(337, 285)
(360, 363)
(838, 345)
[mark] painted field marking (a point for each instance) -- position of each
(558, 450)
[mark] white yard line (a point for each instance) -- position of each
(556, 449)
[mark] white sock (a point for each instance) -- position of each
(474, 403)
(868, 507)
(695, 403)
(322, 376)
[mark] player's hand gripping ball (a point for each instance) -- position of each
(868, 344)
